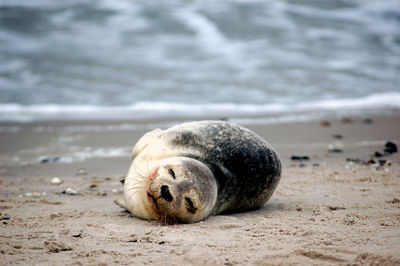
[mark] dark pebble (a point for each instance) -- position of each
(367, 121)
(315, 164)
(107, 178)
(50, 159)
(77, 235)
(335, 208)
(45, 160)
(378, 154)
(337, 136)
(390, 147)
(6, 218)
(325, 123)
(354, 160)
(346, 120)
(122, 181)
(382, 162)
(299, 158)
(335, 150)
(302, 165)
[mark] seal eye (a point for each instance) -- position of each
(172, 173)
(189, 205)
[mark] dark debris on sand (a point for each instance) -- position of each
(49, 159)
(299, 158)
(336, 150)
(389, 149)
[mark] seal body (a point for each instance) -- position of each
(193, 170)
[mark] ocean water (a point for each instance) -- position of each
(132, 59)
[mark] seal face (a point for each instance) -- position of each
(182, 190)
(193, 170)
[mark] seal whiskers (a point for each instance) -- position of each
(168, 219)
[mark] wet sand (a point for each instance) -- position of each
(335, 208)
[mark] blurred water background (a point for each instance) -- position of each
(119, 59)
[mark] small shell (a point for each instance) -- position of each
(70, 191)
(56, 181)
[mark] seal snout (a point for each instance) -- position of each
(166, 194)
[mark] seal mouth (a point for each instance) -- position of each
(154, 201)
(161, 217)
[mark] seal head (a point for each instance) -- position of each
(174, 190)
(179, 191)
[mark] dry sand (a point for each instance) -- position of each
(326, 210)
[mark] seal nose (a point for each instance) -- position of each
(165, 194)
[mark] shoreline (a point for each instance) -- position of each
(326, 210)
(76, 144)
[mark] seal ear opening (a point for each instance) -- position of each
(189, 205)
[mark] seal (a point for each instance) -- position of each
(191, 171)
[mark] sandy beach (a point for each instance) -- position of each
(340, 205)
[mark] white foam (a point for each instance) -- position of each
(80, 154)
(10, 129)
(146, 110)
(88, 153)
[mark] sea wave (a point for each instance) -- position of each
(375, 103)
(231, 51)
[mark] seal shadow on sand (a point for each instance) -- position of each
(267, 209)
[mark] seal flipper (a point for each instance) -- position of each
(121, 203)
